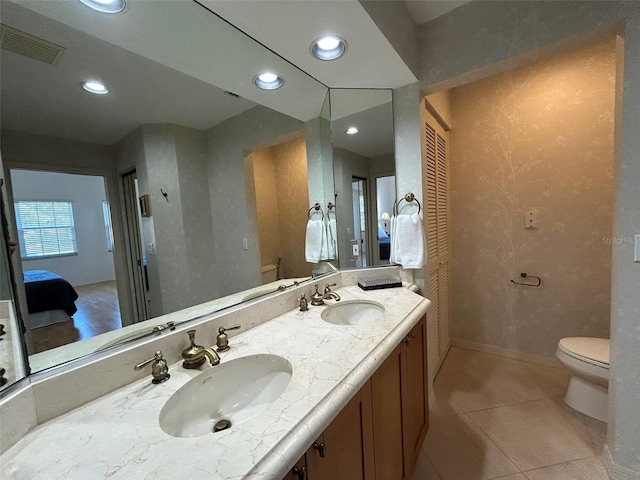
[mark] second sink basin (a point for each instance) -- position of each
(352, 312)
(234, 391)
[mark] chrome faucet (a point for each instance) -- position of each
(195, 355)
(318, 298)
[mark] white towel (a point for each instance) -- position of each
(313, 242)
(324, 251)
(409, 241)
(332, 237)
(392, 235)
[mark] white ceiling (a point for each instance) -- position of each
(289, 27)
(47, 100)
(424, 10)
(170, 61)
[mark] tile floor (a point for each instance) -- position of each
(498, 418)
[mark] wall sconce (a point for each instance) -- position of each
(385, 218)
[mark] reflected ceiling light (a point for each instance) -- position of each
(268, 81)
(328, 47)
(105, 6)
(351, 131)
(93, 86)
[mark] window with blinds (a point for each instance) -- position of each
(46, 229)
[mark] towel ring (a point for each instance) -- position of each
(330, 209)
(409, 197)
(317, 208)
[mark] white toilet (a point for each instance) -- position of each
(588, 360)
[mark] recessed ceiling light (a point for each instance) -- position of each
(105, 6)
(268, 81)
(328, 47)
(93, 86)
(351, 131)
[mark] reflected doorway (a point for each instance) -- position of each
(384, 195)
(359, 250)
(66, 249)
(136, 259)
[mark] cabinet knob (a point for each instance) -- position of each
(321, 448)
(301, 473)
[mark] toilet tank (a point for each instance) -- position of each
(269, 273)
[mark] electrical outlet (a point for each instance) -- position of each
(530, 220)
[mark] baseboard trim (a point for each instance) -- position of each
(507, 352)
(616, 472)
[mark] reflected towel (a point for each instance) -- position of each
(324, 251)
(409, 235)
(313, 242)
(332, 236)
(392, 235)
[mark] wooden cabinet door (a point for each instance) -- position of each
(386, 400)
(415, 399)
(345, 449)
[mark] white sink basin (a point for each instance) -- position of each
(235, 391)
(352, 312)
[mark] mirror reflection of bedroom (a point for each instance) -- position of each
(66, 246)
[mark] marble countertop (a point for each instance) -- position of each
(118, 435)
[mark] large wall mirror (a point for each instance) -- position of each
(364, 168)
(167, 192)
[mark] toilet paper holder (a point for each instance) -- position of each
(524, 275)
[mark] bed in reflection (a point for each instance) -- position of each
(50, 298)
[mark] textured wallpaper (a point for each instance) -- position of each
(281, 193)
(539, 138)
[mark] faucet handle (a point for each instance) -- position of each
(327, 287)
(159, 369)
(304, 304)
(222, 340)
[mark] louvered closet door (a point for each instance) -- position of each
(435, 178)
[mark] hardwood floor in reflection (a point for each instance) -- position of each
(98, 312)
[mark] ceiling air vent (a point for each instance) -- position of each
(234, 95)
(22, 43)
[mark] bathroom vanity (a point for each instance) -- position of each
(356, 395)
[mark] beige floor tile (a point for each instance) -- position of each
(596, 430)
(459, 450)
(424, 469)
(461, 359)
(469, 391)
(536, 434)
(517, 476)
(586, 469)
(525, 381)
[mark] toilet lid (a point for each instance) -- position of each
(589, 349)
